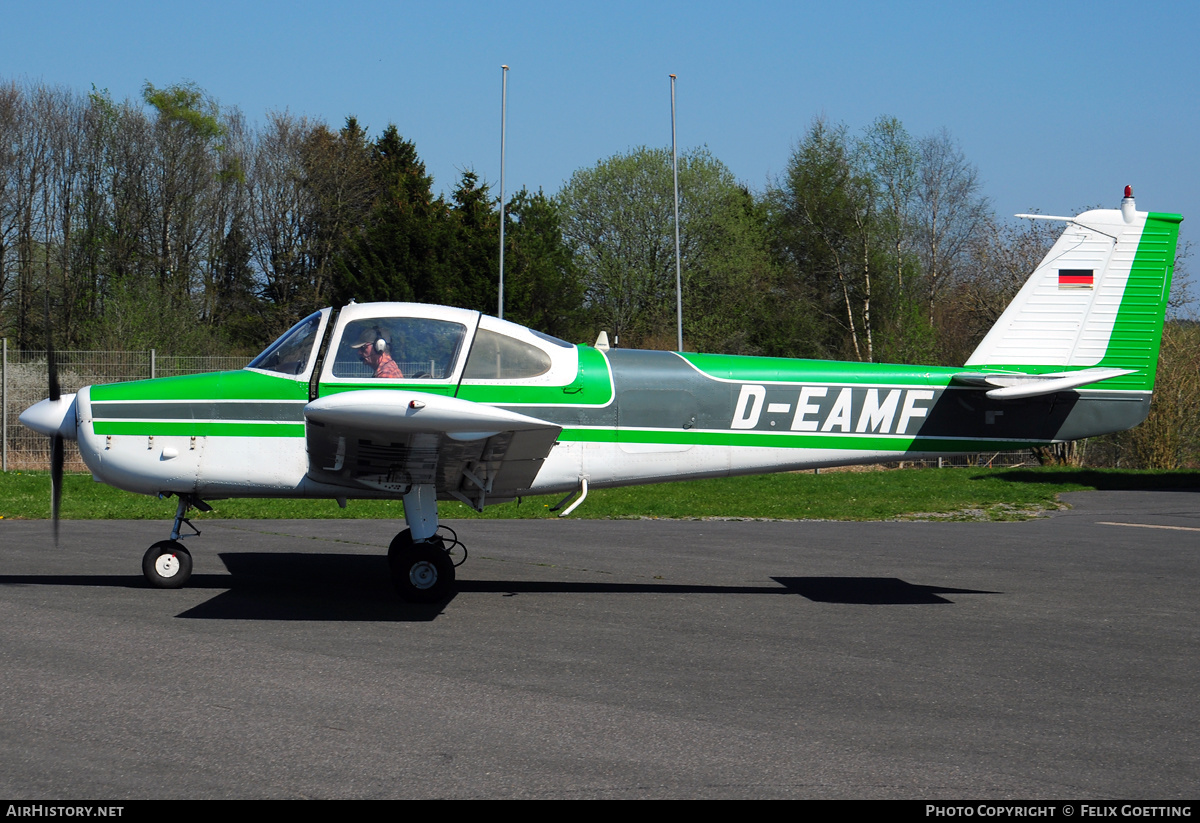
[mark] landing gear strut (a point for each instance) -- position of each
(419, 558)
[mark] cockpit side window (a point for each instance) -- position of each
(412, 348)
(497, 356)
(291, 352)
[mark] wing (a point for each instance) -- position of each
(382, 440)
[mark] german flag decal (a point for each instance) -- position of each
(1074, 278)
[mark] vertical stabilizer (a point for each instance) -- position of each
(1098, 298)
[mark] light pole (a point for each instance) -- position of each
(503, 116)
(678, 275)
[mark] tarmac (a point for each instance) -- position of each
(1056, 658)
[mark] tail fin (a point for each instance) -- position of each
(1096, 302)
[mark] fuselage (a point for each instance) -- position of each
(626, 416)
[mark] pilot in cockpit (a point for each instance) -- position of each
(375, 352)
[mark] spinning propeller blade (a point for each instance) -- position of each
(56, 440)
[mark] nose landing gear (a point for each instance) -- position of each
(167, 564)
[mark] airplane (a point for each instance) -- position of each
(426, 403)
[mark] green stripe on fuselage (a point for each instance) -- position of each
(794, 440)
(197, 428)
(117, 406)
(226, 385)
(744, 369)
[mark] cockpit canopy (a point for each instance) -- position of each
(414, 343)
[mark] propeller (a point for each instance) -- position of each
(54, 417)
(56, 439)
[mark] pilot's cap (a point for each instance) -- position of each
(367, 338)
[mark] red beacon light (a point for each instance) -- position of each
(1128, 210)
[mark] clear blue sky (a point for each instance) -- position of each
(1059, 104)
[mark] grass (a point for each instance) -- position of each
(944, 494)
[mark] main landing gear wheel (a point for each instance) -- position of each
(421, 572)
(167, 565)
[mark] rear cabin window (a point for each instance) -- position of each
(497, 356)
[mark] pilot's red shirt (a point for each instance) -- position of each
(386, 367)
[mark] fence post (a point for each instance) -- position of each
(152, 364)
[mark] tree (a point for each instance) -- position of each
(823, 221)
(542, 287)
(11, 126)
(888, 156)
(950, 211)
(471, 273)
(394, 254)
(279, 219)
(188, 136)
(618, 220)
(1170, 436)
(339, 183)
(311, 191)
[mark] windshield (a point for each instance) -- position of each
(290, 353)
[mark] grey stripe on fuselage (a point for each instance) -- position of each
(287, 412)
(660, 390)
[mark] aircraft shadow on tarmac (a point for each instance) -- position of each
(349, 587)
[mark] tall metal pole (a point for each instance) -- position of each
(678, 275)
(503, 118)
(4, 408)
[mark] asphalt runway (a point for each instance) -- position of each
(1057, 658)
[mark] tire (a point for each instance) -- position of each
(421, 572)
(167, 565)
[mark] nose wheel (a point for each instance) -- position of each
(421, 572)
(167, 564)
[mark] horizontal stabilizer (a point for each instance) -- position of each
(1014, 386)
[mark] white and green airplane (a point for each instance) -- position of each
(428, 403)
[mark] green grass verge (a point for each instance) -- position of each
(947, 494)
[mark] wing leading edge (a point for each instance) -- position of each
(392, 441)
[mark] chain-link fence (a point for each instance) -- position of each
(25, 381)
